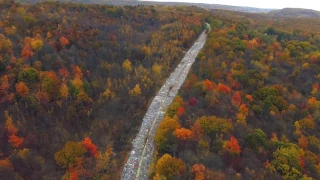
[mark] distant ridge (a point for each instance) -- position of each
(137, 2)
(214, 6)
(277, 13)
(295, 12)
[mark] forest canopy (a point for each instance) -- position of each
(76, 80)
(250, 104)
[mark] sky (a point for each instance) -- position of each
(274, 4)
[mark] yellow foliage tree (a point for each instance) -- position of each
(77, 83)
(104, 164)
(169, 167)
(36, 44)
(156, 69)
(164, 131)
(69, 154)
(108, 94)
(5, 43)
(214, 126)
(10, 30)
(127, 66)
(136, 91)
(64, 91)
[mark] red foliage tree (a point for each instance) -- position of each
(196, 131)
(223, 88)
(236, 98)
(314, 59)
(193, 101)
(180, 111)
(186, 85)
(208, 85)
(236, 85)
(316, 86)
(64, 72)
(301, 161)
(27, 52)
(5, 163)
(74, 175)
(15, 141)
(87, 143)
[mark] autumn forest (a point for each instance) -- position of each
(76, 81)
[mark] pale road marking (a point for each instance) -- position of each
(139, 160)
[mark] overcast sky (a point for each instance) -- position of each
(276, 4)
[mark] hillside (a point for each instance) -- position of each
(295, 12)
(76, 80)
(250, 107)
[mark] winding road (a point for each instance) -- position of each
(141, 156)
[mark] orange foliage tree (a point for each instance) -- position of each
(243, 109)
(242, 114)
(87, 143)
(183, 133)
(5, 163)
(74, 175)
(78, 72)
(27, 52)
(22, 89)
(199, 171)
(303, 142)
(64, 91)
(64, 41)
(312, 102)
(232, 146)
(208, 85)
(14, 140)
(222, 88)
(249, 98)
(180, 111)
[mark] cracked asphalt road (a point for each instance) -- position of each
(137, 166)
